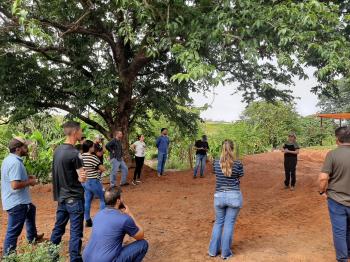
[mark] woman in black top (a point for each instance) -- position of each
(291, 151)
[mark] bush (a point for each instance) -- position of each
(41, 252)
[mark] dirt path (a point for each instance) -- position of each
(177, 213)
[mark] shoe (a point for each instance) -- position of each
(159, 174)
(88, 223)
(38, 238)
(194, 177)
(292, 188)
(138, 182)
(134, 183)
(125, 184)
(201, 176)
(286, 187)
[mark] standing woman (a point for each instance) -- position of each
(92, 186)
(291, 151)
(227, 200)
(140, 151)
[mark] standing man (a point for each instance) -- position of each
(99, 147)
(115, 149)
(67, 176)
(291, 151)
(335, 186)
(162, 144)
(201, 147)
(15, 196)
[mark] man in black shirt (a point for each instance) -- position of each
(201, 147)
(67, 176)
(291, 151)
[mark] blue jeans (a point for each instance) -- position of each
(227, 206)
(133, 252)
(340, 219)
(162, 157)
(17, 216)
(115, 168)
(73, 210)
(92, 187)
(200, 161)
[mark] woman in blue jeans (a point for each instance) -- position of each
(93, 186)
(227, 201)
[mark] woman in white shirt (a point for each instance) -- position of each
(140, 151)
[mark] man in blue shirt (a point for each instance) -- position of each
(15, 196)
(162, 144)
(110, 227)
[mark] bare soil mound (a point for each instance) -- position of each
(177, 212)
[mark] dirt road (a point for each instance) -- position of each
(177, 213)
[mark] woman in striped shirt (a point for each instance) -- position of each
(227, 201)
(93, 185)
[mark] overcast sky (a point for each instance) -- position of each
(228, 107)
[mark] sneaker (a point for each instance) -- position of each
(134, 183)
(292, 188)
(38, 238)
(194, 177)
(201, 176)
(286, 187)
(88, 223)
(159, 174)
(138, 182)
(125, 184)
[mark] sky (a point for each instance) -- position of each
(226, 106)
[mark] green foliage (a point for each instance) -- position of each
(41, 252)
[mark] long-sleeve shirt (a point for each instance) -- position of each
(162, 144)
(225, 183)
(115, 149)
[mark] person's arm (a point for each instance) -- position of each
(110, 145)
(296, 152)
(16, 179)
(140, 234)
(323, 182)
(16, 184)
(133, 147)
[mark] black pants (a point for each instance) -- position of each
(290, 164)
(139, 164)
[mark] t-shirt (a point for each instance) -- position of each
(291, 147)
(140, 149)
(162, 144)
(91, 164)
(12, 169)
(337, 165)
(201, 144)
(228, 183)
(110, 227)
(66, 161)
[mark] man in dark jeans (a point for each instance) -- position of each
(67, 176)
(291, 151)
(110, 227)
(335, 187)
(115, 149)
(202, 148)
(15, 196)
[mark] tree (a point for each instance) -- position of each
(274, 121)
(127, 59)
(336, 100)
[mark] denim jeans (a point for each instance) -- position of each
(92, 187)
(115, 168)
(227, 206)
(133, 252)
(17, 216)
(162, 157)
(340, 219)
(73, 210)
(200, 161)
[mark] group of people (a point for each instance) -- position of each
(76, 179)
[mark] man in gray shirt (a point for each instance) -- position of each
(335, 186)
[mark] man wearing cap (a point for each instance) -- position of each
(291, 151)
(15, 196)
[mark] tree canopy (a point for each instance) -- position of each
(126, 59)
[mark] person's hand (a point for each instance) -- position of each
(32, 180)
(324, 195)
(82, 175)
(126, 210)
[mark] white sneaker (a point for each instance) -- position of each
(134, 183)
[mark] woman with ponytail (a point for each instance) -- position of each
(227, 200)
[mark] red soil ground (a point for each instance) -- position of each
(177, 213)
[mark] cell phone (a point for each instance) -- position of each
(121, 206)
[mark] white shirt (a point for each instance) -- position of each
(140, 149)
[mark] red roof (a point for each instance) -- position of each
(335, 116)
